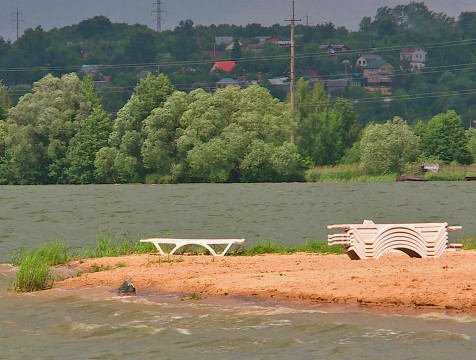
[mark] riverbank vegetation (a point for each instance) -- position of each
(178, 126)
(60, 134)
(36, 267)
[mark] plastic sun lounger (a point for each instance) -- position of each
(370, 240)
(174, 244)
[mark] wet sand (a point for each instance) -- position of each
(392, 283)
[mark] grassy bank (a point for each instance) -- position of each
(344, 173)
(353, 173)
(35, 265)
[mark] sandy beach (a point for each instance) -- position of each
(394, 282)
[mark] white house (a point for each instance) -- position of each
(416, 56)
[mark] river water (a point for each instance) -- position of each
(97, 324)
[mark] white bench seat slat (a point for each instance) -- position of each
(174, 244)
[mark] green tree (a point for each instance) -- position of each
(471, 134)
(235, 135)
(46, 131)
(92, 134)
(386, 148)
(5, 102)
(140, 48)
(40, 128)
(324, 133)
(445, 139)
(236, 52)
(128, 133)
(162, 127)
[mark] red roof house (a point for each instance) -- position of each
(225, 66)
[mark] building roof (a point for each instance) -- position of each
(279, 81)
(371, 57)
(334, 47)
(89, 69)
(225, 66)
(376, 64)
(227, 81)
(337, 83)
(408, 50)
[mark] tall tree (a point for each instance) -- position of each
(445, 139)
(5, 102)
(128, 134)
(386, 148)
(324, 132)
(92, 134)
(46, 131)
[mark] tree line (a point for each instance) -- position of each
(61, 134)
(444, 84)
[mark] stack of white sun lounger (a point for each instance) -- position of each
(370, 240)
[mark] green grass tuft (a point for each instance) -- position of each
(110, 244)
(34, 271)
(268, 247)
(34, 274)
(469, 243)
(320, 247)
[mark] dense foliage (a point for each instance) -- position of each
(386, 148)
(178, 127)
(186, 54)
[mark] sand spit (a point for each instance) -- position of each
(394, 282)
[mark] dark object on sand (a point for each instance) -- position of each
(470, 178)
(127, 288)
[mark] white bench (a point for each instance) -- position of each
(174, 244)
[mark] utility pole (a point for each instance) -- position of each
(158, 12)
(17, 21)
(293, 23)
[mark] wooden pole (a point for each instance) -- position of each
(291, 86)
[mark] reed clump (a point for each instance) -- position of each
(34, 272)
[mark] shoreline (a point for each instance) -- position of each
(393, 284)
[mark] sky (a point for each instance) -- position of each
(59, 13)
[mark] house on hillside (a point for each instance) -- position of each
(89, 69)
(223, 83)
(378, 73)
(416, 56)
(265, 39)
(363, 60)
(334, 50)
(336, 84)
(225, 66)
